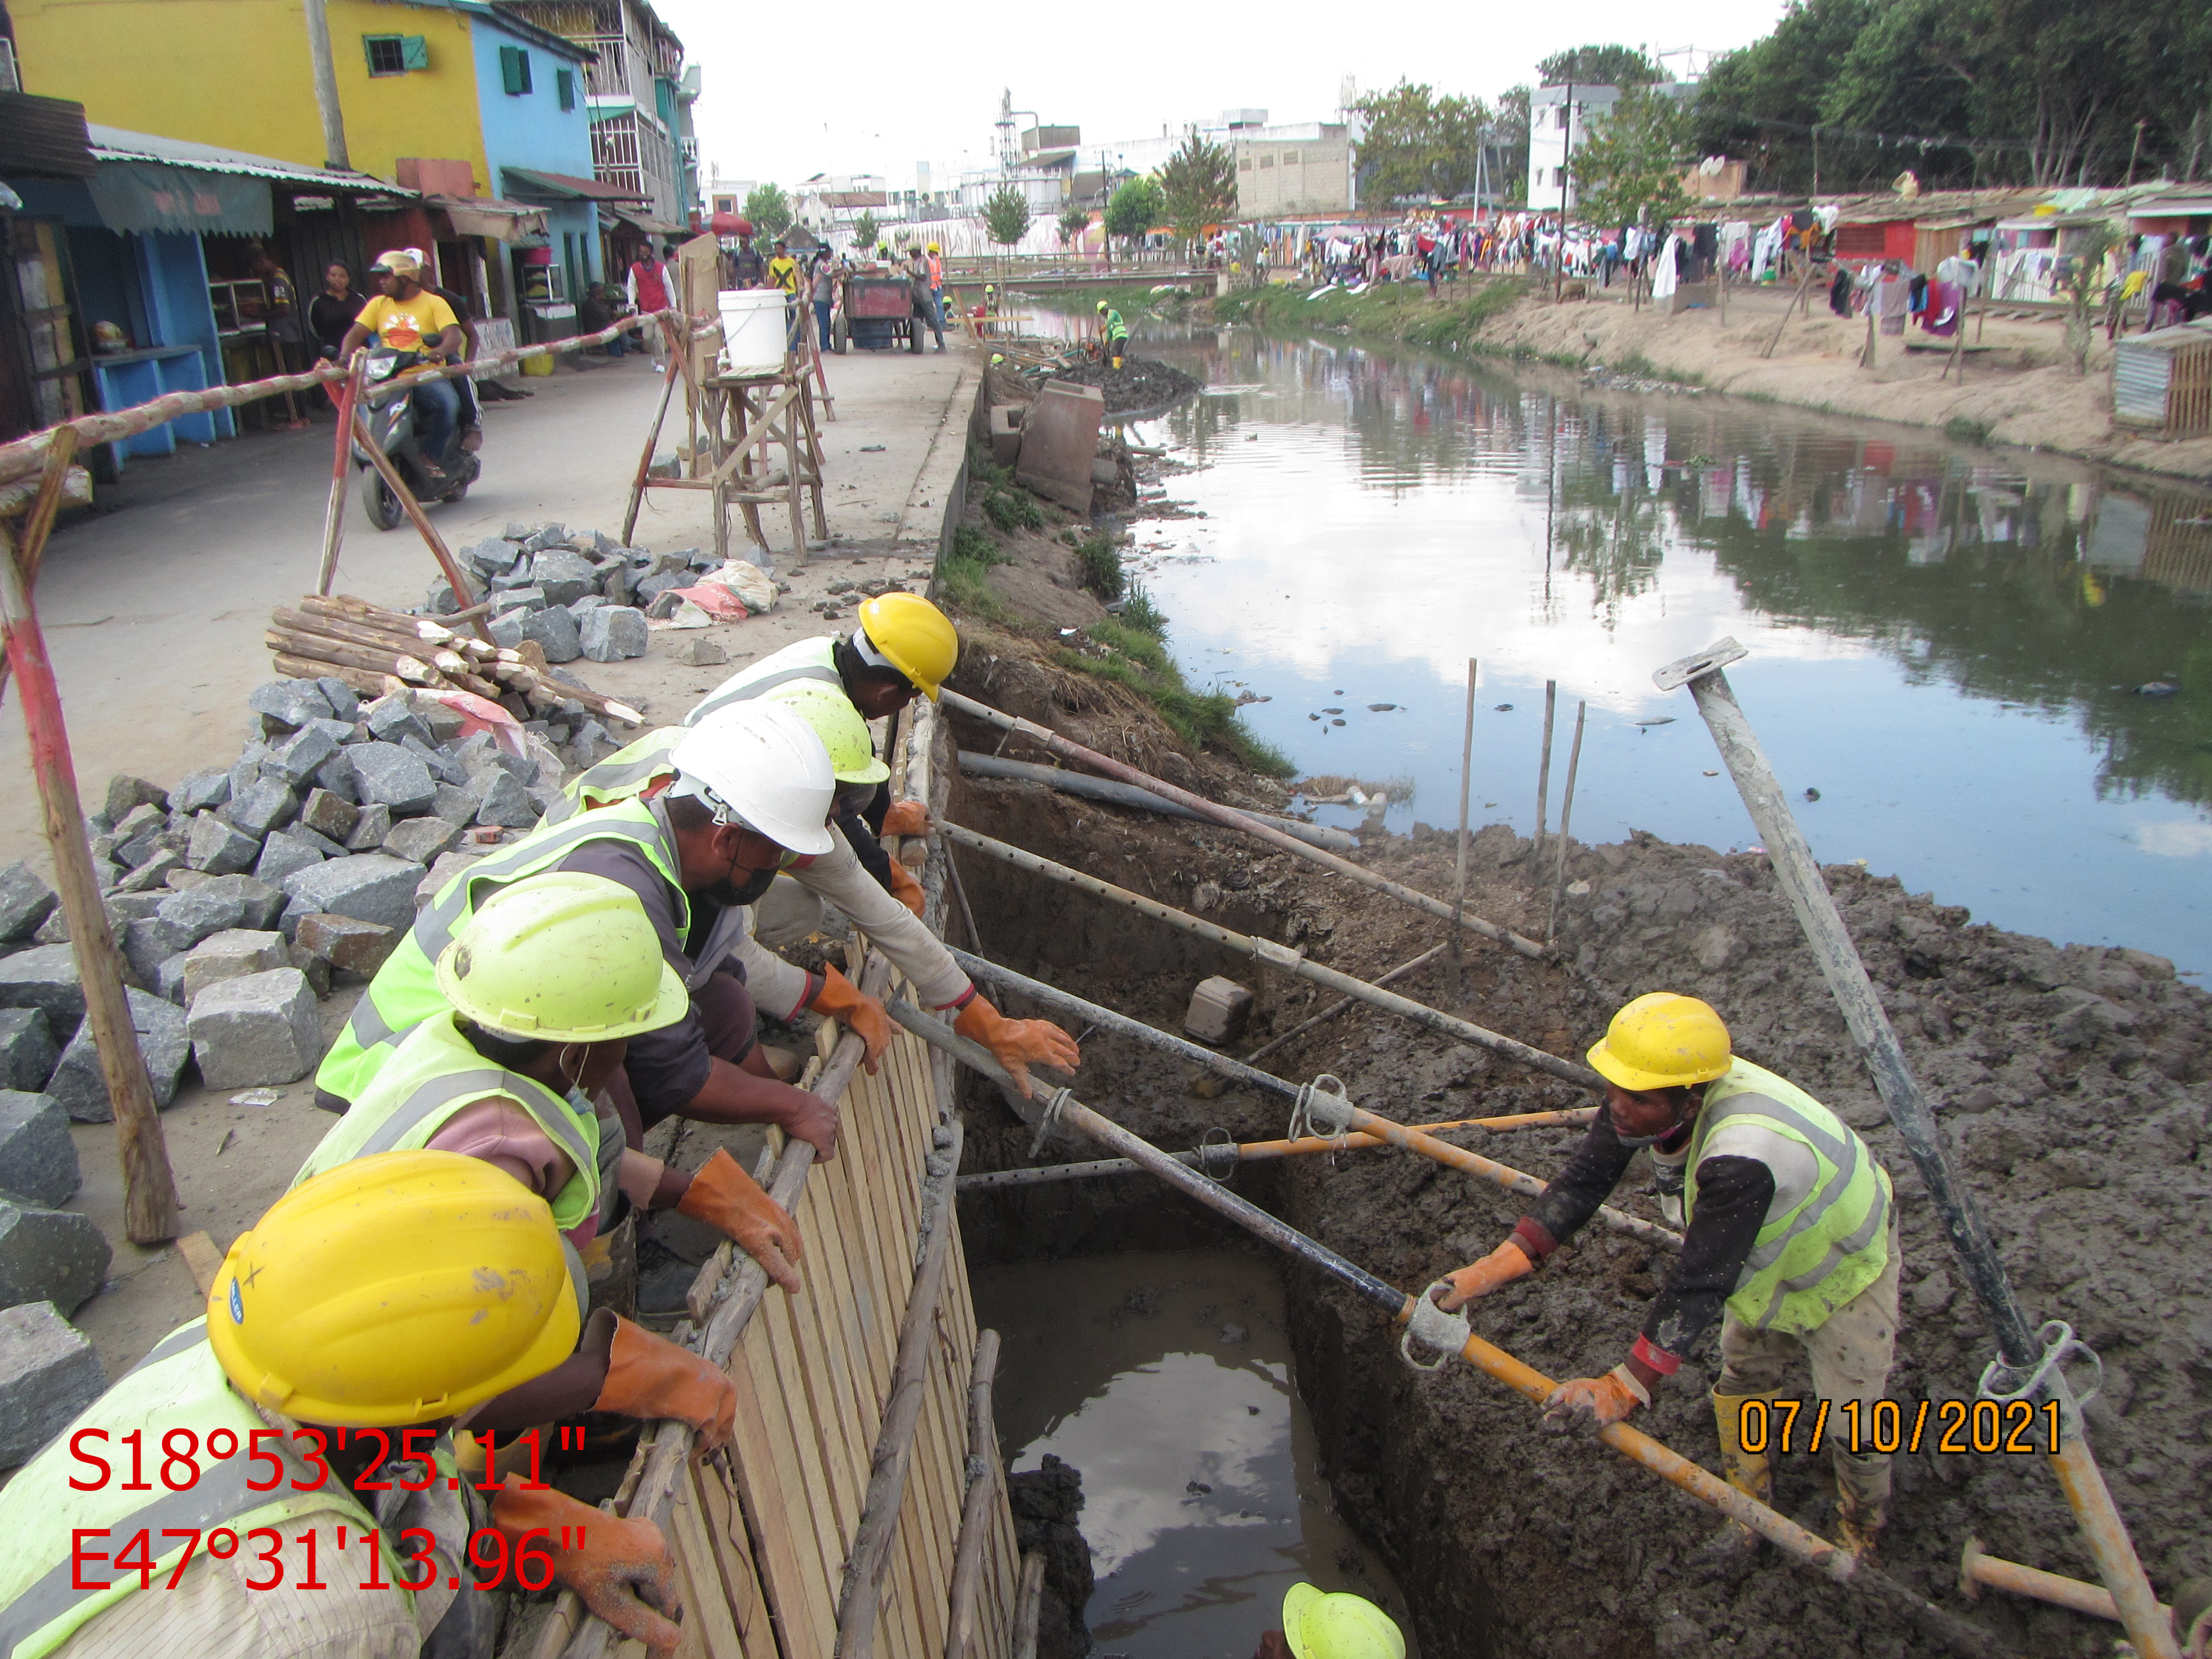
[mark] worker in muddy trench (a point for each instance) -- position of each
(346, 1335)
(1791, 1239)
(796, 905)
(755, 788)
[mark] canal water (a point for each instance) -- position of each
(1985, 671)
(1165, 1378)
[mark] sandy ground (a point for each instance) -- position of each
(2020, 381)
(154, 609)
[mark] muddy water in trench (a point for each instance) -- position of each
(1165, 1377)
(1945, 639)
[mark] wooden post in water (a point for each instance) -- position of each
(1458, 872)
(1566, 817)
(1544, 777)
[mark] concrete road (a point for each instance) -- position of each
(154, 611)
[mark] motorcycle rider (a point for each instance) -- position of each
(409, 318)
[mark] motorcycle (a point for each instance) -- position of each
(391, 425)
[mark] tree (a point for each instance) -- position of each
(1072, 224)
(1600, 66)
(1761, 103)
(1508, 139)
(769, 210)
(1136, 207)
(1419, 146)
(2084, 282)
(1199, 186)
(865, 231)
(1629, 169)
(1006, 215)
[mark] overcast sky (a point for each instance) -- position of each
(823, 86)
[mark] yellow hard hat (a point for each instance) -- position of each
(563, 957)
(932, 247)
(396, 1288)
(839, 725)
(1337, 1625)
(913, 635)
(1662, 1040)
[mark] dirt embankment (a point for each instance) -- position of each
(2075, 1086)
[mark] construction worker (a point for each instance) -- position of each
(1336, 1625)
(1113, 334)
(1790, 1229)
(792, 908)
(937, 276)
(744, 794)
(344, 1335)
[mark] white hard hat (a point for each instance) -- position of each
(759, 764)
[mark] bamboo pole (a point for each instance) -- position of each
(421, 521)
(1544, 777)
(1029, 1605)
(1566, 817)
(1804, 1548)
(1265, 951)
(651, 441)
(975, 1508)
(1233, 819)
(1459, 867)
(38, 520)
(341, 472)
(1796, 299)
(1976, 1570)
(150, 1191)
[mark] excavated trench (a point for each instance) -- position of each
(2072, 1084)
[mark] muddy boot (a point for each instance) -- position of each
(1862, 1502)
(1751, 1473)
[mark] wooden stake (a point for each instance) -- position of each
(413, 508)
(38, 521)
(1459, 873)
(976, 1509)
(1544, 775)
(652, 439)
(1029, 1604)
(342, 474)
(1566, 814)
(149, 1192)
(1796, 299)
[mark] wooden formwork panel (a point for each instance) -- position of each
(761, 1535)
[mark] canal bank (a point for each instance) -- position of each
(2074, 1081)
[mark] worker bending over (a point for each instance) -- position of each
(1336, 1625)
(1113, 335)
(793, 907)
(744, 794)
(1791, 1235)
(547, 982)
(395, 1294)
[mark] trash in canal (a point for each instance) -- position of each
(1381, 708)
(1662, 720)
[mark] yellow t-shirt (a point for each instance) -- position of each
(783, 273)
(405, 325)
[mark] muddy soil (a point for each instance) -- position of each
(2072, 1084)
(1139, 385)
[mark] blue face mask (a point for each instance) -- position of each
(1641, 1141)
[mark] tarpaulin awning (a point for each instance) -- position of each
(479, 216)
(530, 184)
(119, 144)
(649, 225)
(136, 197)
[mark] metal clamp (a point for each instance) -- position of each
(1216, 1151)
(1322, 1109)
(1047, 1121)
(2059, 1345)
(1432, 1327)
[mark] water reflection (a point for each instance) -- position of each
(1958, 634)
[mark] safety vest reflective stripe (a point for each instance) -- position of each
(809, 659)
(1834, 1243)
(405, 991)
(620, 775)
(179, 1384)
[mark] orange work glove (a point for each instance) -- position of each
(1508, 1262)
(1594, 1399)
(1018, 1044)
(906, 817)
(621, 1569)
(905, 889)
(649, 1377)
(726, 1199)
(842, 1000)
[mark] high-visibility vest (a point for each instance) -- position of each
(179, 1384)
(404, 992)
(805, 660)
(432, 1074)
(621, 775)
(1115, 328)
(1809, 1260)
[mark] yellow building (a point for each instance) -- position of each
(237, 74)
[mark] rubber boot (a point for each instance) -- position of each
(1751, 1473)
(1862, 1502)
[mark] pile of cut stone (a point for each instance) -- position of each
(576, 594)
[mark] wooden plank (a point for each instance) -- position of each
(822, 1367)
(794, 1597)
(812, 1503)
(710, 1630)
(725, 1527)
(201, 1255)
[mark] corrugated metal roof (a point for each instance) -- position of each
(119, 144)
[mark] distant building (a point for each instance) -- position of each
(639, 96)
(1300, 168)
(1557, 133)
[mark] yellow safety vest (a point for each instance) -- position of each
(806, 660)
(1834, 1241)
(179, 1384)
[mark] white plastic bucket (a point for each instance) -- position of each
(752, 329)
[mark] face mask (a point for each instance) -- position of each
(1641, 1141)
(750, 892)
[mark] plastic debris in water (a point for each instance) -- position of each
(1381, 708)
(1663, 719)
(1713, 774)
(1812, 794)
(1332, 711)
(2158, 689)
(1504, 709)
(1336, 722)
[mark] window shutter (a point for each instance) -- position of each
(414, 52)
(564, 82)
(514, 71)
